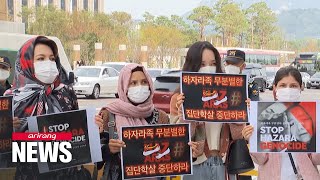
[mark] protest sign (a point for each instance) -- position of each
(6, 125)
(214, 97)
(284, 127)
(85, 136)
(156, 151)
(6, 129)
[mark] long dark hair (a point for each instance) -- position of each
(194, 58)
(288, 71)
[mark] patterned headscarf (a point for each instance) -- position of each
(31, 96)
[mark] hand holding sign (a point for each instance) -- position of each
(16, 123)
(196, 150)
(180, 101)
(115, 145)
(247, 132)
(99, 121)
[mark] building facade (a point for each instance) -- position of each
(14, 7)
(3, 11)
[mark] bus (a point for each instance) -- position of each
(308, 62)
(267, 58)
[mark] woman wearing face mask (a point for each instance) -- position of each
(133, 108)
(287, 87)
(38, 89)
(211, 139)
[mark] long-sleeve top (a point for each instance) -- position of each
(270, 165)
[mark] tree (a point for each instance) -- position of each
(230, 22)
(179, 23)
(203, 16)
(262, 21)
(163, 43)
(164, 21)
(148, 18)
(121, 18)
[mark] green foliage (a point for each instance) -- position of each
(203, 17)
(262, 24)
(254, 27)
(231, 22)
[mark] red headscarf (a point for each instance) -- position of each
(31, 96)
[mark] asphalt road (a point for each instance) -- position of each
(307, 94)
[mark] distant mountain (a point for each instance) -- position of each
(300, 23)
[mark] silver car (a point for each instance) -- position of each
(92, 81)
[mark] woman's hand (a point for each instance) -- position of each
(16, 123)
(195, 146)
(99, 121)
(180, 100)
(115, 145)
(247, 132)
(248, 102)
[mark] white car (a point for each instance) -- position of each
(116, 65)
(92, 81)
(305, 78)
(155, 72)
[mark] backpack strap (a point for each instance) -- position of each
(112, 135)
(111, 130)
(155, 118)
(111, 126)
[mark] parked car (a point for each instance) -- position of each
(92, 81)
(256, 73)
(155, 72)
(314, 81)
(116, 65)
(270, 79)
(164, 86)
(305, 78)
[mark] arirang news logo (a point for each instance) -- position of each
(51, 146)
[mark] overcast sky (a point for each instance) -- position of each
(156, 7)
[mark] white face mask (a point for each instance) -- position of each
(46, 71)
(288, 94)
(208, 69)
(138, 94)
(4, 74)
(232, 69)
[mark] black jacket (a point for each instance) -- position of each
(253, 91)
(3, 89)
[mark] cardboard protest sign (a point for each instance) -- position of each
(156, 151)
(284, 127)
(214, 97)
(6, 125)
(85, 136)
